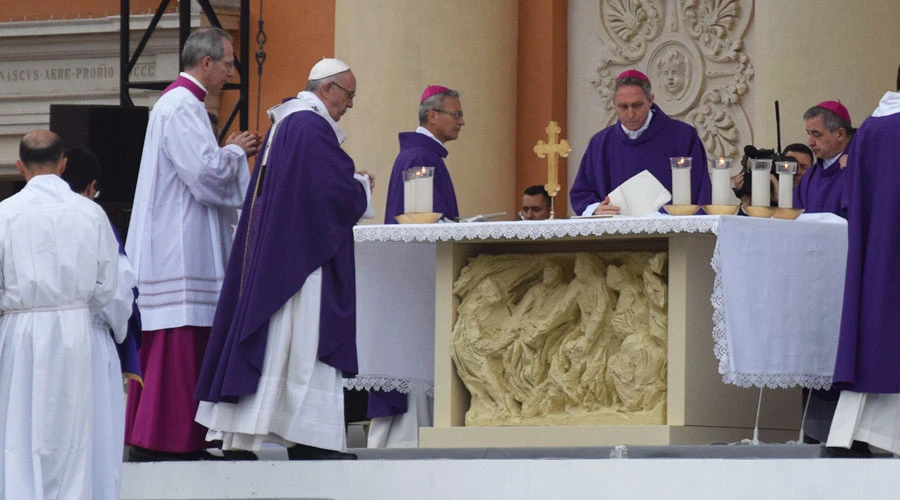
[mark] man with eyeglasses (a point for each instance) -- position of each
(285, 328)
(185, 204)
(642, 138)
(395, 417)
(440, 120)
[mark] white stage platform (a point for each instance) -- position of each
(744, 473)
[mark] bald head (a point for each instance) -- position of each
(40, 152)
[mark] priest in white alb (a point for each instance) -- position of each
(58, 265)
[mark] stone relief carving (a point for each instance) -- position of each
(693, 52)
(563, 339)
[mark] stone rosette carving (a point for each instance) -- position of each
(563, 339)
(692, 50)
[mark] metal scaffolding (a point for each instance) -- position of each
(127, 60)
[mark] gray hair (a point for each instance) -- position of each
(204, 42)
(831, 119)
(434, 102)
(630, 80)
(315, 85)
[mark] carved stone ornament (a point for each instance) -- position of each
(563, 339)
(692, 50)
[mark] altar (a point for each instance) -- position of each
(720, 328)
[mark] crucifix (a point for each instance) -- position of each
(550, 150)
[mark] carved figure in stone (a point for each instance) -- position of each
(540, 320)
(637, 372)
(585, 345)
(563, 338)
(656, 291)
(479, 340)
(673, 70)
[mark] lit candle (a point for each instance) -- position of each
(681, 180)
(759, 195)
(786, 171)
(409, 192)
(425, 190)
(721, 181)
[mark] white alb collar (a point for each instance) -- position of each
(191, 78)
(634, 134)
(889, 105)
(425, 131)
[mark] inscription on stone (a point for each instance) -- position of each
(57, 76)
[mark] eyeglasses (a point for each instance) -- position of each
(457, 115)
(350, 95)
(228, 64)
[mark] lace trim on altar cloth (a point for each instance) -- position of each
(374, 383)
(535, 230)
(729, 376)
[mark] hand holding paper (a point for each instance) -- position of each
(640, 196)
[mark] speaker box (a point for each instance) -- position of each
(116, 135)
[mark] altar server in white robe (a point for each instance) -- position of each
(185, 206)
(110, 328)
(58, 265)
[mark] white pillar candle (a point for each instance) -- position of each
(424, 194)
(785, 190)
(762, 186)
(721, 181)
(409, 194)
(681, 180)
(786, 171)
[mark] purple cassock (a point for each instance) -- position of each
(302, 218)
(612, 158)
(822, 190)
(418, 150)
(869, 339)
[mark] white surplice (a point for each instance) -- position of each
(185, 206)
(58, 265)
(299, 398)
(110, 327)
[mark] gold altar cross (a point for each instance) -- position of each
(550, 150)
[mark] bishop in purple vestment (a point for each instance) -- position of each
(440, 120)
(643, 138)
(822, 187)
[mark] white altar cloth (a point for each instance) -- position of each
(777, 299)
(395, 292)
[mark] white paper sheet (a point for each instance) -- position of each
(640, 196)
